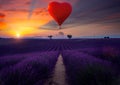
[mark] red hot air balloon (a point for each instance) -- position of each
(59, 11)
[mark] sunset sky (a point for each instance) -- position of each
(30, 18)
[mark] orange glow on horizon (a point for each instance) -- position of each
(24, 27)
(19, 22)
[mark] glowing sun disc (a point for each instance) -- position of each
(18, 35)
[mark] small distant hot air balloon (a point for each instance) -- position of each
(59, 11)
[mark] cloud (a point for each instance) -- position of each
(41, 11)
(16, 10)
(2, 15)
(13, 4)
(113, 16)
(94, 11)
(4, 2)
(3, 26)
(32, 7)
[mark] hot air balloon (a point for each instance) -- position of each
(59, 11)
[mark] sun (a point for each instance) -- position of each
(18, 35)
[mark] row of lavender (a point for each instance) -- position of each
(33, 45)
(27, 69)
(85, 69)
(106, 49)
(109, 53)
(27, 46)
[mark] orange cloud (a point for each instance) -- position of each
(2, 15)
(3, 25)
(41, 11)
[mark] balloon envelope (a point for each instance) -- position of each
(59, 11)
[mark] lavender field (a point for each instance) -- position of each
(50, 62)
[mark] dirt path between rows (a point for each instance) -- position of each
(59, 75)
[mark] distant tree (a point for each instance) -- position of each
(50, 36)
(104, 37)
(107, 37)
(69, 36)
